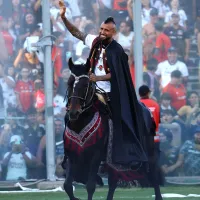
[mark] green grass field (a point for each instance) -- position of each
(125, 194)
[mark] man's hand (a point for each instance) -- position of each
(171, 169)
(71, 27)
(62, 8)
(93, 78)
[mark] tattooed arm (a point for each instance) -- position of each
(72, 29)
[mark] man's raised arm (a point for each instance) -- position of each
(72, 29)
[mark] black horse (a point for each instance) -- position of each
(85, 133)
(88, 141)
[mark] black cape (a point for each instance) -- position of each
(129, 134)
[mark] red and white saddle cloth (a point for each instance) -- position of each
(89, 136)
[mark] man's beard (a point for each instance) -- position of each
(105, 40)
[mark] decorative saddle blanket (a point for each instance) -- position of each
(87, 137)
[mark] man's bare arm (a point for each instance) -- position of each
(72, 29)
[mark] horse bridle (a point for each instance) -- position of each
(86, 103)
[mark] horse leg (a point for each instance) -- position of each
(68, 182)
(112, 184)
(158, 195)
(156, 185)
(94, 167)
(154, 176)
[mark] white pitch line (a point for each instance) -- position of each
(120, 198)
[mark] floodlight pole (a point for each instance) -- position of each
(137, 47)
(48, 86)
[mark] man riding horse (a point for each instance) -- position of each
(109, 69)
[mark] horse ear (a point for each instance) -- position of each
(87, 65)
(70, 63)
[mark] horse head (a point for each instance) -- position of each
(80, 89)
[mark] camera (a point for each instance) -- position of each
(30, 43)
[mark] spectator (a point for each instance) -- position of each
(176, 9)
(90, 9)
(58, 100)
(37, 8)
(168, 121)
(59, 103)
(193, 123)
(146, 9)
(150, 78)
(189, 156)
(41, 153)
(192, 106)
(81, 23)
(18, 11)
(39, 96)
(10, 71)
(7, 84)
(57, 53)
(125, 35)
(9, 40)
(163, 43)
(27, 26)
(84, 56)
(119, 10)
(13, 31)
(130, 9)
(24, 91)
(3, 54)
(176, 90)
(163, 7)
(105, 8)
(54, 10)
(58, 26)
(62, 83)
(169, 153)
(179, 37)
(197, 32)
(153, 106)
(165, 104)
(59, 147)
(149, 35)
(5, 136)
(18, 160)
(33, 132)
(16, 129)
(89, 29)
(30, 53)
(74, 7)
(165, 68)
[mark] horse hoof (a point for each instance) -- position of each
(159, 198)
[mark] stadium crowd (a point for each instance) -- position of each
(169, 30)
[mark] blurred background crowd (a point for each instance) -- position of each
(171, 55)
